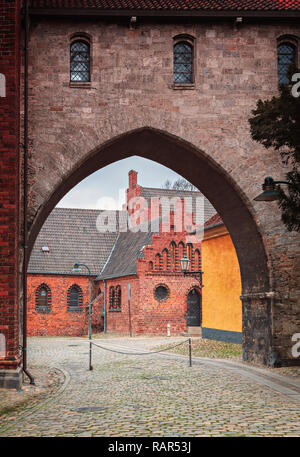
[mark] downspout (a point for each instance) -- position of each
(104, 328)
(25, 198)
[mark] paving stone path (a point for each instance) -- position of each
(157, 395)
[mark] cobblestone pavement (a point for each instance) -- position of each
(153, 395)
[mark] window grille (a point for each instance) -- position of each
(183, 63)
(80, 61)
(286, 57)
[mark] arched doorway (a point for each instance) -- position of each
(194, 311)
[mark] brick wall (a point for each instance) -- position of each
(61, 321)
(9, 179)
(149, 315)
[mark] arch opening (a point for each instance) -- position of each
(218, 187)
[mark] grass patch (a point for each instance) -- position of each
(208, 348)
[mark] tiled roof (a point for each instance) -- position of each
(171, 5)
(209, 210)
(123, 259)
(72, 236)
(214, 220)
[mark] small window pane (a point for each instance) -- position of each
(183, 63)
(286, 57)
(80, 61)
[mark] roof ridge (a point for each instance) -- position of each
(172, 190)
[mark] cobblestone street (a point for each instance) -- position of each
(153, 395)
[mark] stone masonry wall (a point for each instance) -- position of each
(9, 179)
(131, 87)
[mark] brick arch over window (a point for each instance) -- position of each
(75, 298)
(235, 206)
(43, 298)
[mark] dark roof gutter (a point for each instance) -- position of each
(205, 14)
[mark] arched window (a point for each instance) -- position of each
(189, 248)
(157, 262)
(74, 298)
(111, 298)
(287, 55)
(181, 249)
(165, 255)
(197, 259)
(43, 299)
(80, 61)
(118, 293)
(115, 298)
(150, 266)
(172, 252)
(183, 62)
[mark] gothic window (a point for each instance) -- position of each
(43, 299)
(189, 251)
(172, 251)
(118, 298)
(183, 63)
(165, 259)
(115, 296)
(286, 52)
(80, 61)
(181, 249)
(197, 259)
(157, 262)
(74, 298)
(111, 298)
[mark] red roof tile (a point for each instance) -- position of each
(214, 220)
(171, 5)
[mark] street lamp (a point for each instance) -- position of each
(270, 192)
(76, 267)
(185, 265)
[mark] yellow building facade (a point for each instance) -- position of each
(221, 304)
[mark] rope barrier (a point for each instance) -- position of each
(139, 353)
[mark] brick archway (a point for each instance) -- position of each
(225, 195)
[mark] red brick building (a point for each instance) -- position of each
(137, 282)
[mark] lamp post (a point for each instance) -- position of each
(270, 192)
(77, 268)
(185, 265)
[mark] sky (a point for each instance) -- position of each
(105, 189)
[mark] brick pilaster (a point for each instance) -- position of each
(9, 180)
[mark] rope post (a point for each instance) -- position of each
(190, 351)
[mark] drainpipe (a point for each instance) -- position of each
(104, 328)
(25, 189)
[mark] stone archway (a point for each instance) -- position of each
(225, 195)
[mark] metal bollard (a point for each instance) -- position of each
(190, 351)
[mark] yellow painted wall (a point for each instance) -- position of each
(221, 304)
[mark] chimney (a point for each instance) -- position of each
(132, 175)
